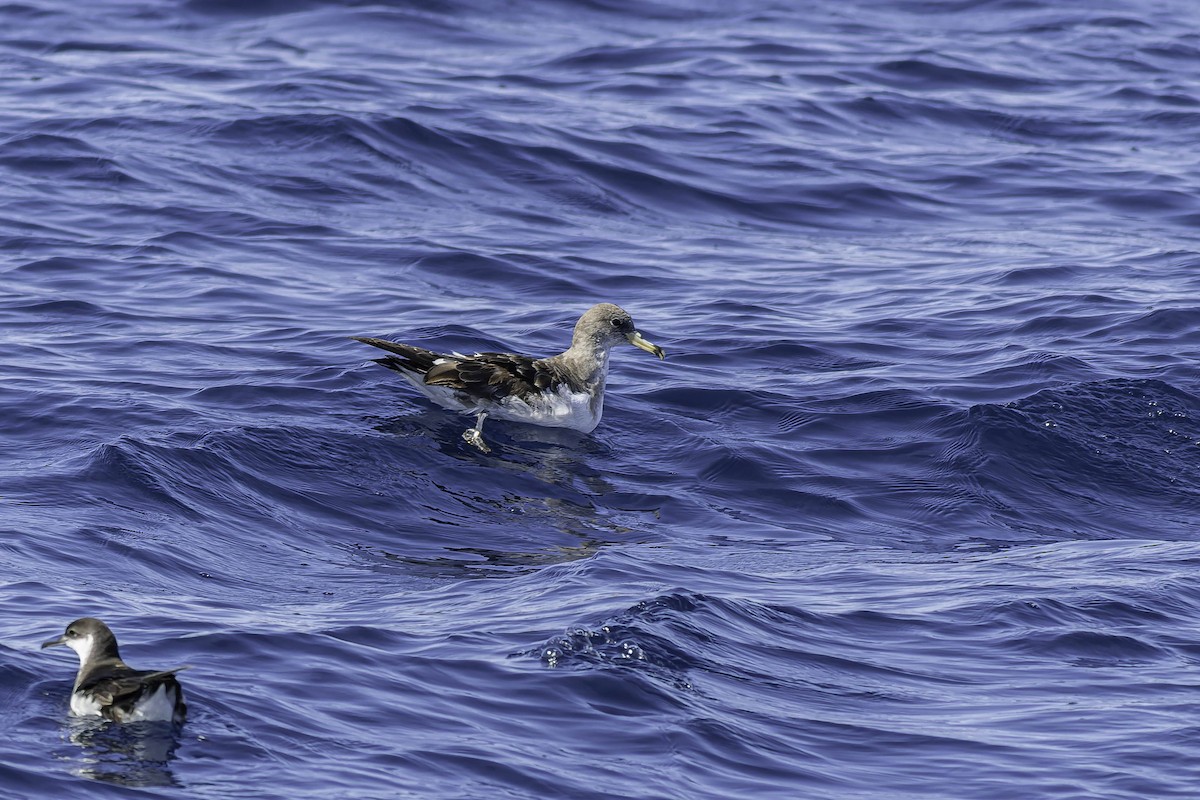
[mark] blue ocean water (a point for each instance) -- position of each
(910, 511)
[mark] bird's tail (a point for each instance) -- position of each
(407, 358)
(163, 673)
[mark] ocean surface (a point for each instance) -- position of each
(911, 510)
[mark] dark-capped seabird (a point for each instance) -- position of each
(562, 391)
(108, 687)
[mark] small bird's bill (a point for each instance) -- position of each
(636, 340)
(55, 642)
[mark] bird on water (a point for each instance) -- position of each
(562, 391)
(108, 687)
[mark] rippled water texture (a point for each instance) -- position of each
(909, 511)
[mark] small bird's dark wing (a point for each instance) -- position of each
(118, 688)
(494, 376)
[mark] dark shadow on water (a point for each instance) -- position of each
(136, 754)
(536, 482)
(559, 457)
(481, 562)
(589, 532)
(510, 441)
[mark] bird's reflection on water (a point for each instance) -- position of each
(556, 456)
(136, 754)
(557, 460)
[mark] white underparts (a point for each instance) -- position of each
(156, 706)
(84, 705)
(559, 408)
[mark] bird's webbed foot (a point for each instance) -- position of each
(474, 436)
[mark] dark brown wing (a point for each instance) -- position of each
(494, 376)
(118, 688)
(482, 376)
(411, 359)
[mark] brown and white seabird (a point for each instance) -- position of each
(108, 687)
(562, 391)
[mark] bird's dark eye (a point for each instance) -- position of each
(616, 322)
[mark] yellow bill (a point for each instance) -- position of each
(636, 340)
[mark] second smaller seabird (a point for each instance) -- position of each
(108, 687)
